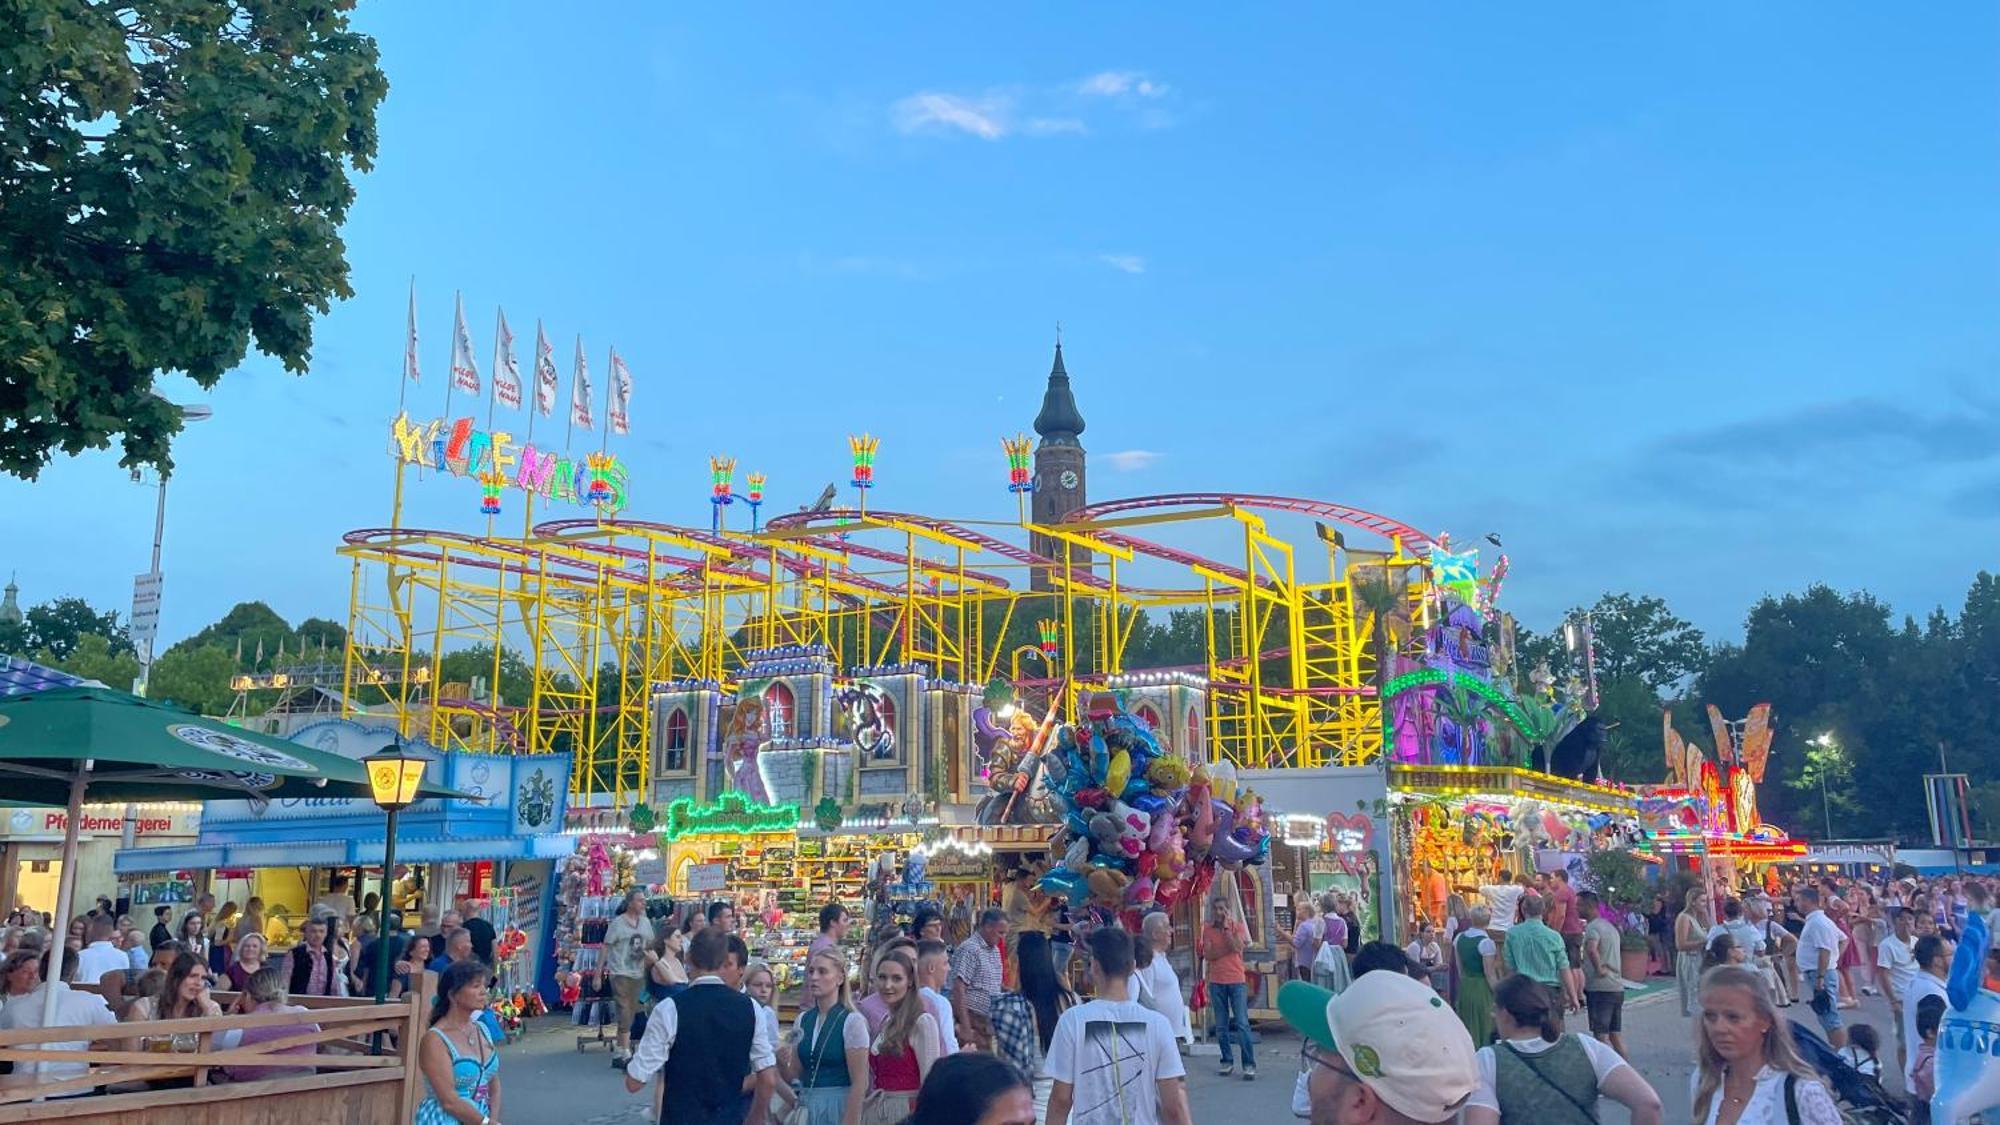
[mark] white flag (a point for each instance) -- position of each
(410, 345)
(545, 372)
(621, 395)
(464, 368)
(579, 390)
(506, 372)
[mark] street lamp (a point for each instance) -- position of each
(1828, 750)
(190, 412)
(394, 773)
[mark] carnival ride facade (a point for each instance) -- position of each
(1707, 809)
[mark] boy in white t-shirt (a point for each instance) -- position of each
(1112, 1058)
(933, 969)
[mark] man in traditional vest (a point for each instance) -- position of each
(704, 1042)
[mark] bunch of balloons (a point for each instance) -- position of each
(1139, 826)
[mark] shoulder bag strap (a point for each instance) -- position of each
(1792, 1099)
(1528, 1061)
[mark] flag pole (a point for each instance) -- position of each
(451, 374)
(610, 393)
(534, 408)
(492, 401)
(569, 426)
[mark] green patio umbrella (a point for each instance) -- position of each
(62, 745)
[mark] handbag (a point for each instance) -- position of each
(799, 1114)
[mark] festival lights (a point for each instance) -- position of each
(730, 814)
(722, 478)
(599, 465)
(490, 484)
(863, 447)
(1051, 634)
(1018, 449)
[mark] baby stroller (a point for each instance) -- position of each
(1862, 1099)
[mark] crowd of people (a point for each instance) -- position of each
(993, 1029)
(1512, 964)
(112, 971)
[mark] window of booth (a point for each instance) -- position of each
(676, 745)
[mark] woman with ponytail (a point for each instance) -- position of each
(1538, 1073)
(458, 1059)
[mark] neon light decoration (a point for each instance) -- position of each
(461, 449)
(722, 478)
(1051, 632)
(755, 497)
(1423, 677)
(1018, 449)
(732, 814)
(490, 484)
(864, 448)
(600, 478)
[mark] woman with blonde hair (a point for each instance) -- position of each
(901, 1056)
(827, 1051)
(251, 954)
(1746, 1069)
(1690, 942)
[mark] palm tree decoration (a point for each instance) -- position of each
(1465, 710)
(1379, 599)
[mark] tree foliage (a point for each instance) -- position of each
(195, 678)
(95, 658)
(173, 177)
(50, 632)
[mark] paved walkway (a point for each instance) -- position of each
(547, 1081)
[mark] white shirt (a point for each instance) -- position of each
(1747, 935)
(1603, 1060)
(1898, 959)
(1486, 946)
(947, 1020)
(99, 958)
(73, 1009)
(1114, 1054)
(339, 905)
(1767, 1102)
(664, 1024)
(1160, 990)
(1819, 933)
(1921, 985)
(1504, 900)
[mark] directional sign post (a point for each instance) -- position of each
(144, 624)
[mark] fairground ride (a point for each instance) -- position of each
(606, 611)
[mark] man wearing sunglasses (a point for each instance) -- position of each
(1388, 1051)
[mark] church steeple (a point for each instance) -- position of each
(10, 605)
(1059, 423)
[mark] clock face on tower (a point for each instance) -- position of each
(1068, 480)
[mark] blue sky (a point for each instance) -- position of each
(1695, 303)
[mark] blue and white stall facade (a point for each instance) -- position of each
(518, 827)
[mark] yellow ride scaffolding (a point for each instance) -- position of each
(604, 612)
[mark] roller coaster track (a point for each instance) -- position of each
(1414, 541)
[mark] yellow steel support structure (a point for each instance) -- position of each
(604, 612)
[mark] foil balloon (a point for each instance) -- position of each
(1162, 830)
(1063, 883)
(1141, 892)
(1168, 774)
(1118, 772)
(1202, 831)
(1232, 845)
(1222, 780)
(1077, 857)
(1107, 886)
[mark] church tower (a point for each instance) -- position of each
(1059, 468)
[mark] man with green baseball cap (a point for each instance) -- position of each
(1387, 1051)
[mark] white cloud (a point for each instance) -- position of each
(1129, 263)
(1050, 126)
(1130, 460)
(1120, 84)
(985, 118)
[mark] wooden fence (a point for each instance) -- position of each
(348, 1083)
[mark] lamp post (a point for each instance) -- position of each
(1828, 749)
(194, 412)
(394, 774)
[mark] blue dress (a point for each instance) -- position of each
(472, 1079)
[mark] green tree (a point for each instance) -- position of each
(95, 658)
(54, 628)
(1828, 772)
(516, 684)
(195, 678)
(175, 175)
